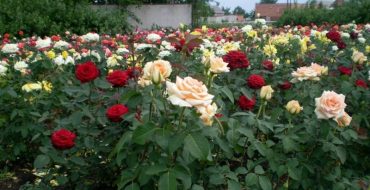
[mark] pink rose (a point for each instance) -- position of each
(330, 105)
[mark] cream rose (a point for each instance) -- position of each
(293, 107)
(304, 73)
(188, 92)
(358, 57)
(218, 65)
(207, 113)
(344, 120)
(330, 105)
(157, 71)
(32, 86)
(266, 92)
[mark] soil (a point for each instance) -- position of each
(14, 182)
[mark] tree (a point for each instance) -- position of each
(227, 11)
(239, 11)
(268, 1)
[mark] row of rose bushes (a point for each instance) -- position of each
(229, 108)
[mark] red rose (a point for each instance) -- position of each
(87, 72)
(345, 70)
(255, 81)
(20, 33)
(354, 35)
(268, 65)
(245, 103)
(285, 85)
(6, 35)
(361, 83)
(118, 78)
(115, 113)
(55, 38)
(236, 59)
(333, 35)
(341, 45)
(134, 72)
(63, 139)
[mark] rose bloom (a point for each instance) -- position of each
(118, 78)
(158, 71)
(268, 65)
(358, 57)
(86, 72)
(320, 70)
(333, 35)
(236, 60)
(32, 86)
(246, 103)
(188, 92)
(344, 120)
(341, 45)
(345, 70)
(115, 112)
(285, 85)
(361, 83)
(10, 48)
(207, 112)
(63, 139)
(218, 65)
(266, 92)
(330, 105)
(304, 73)
(269, 50)
(293, 107)
(255, 81)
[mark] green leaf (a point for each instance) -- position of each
(247, 93)
(265, 183)
(155, 169)
(341, 153)
(132, 186)
(197, 187)
(167, 181)
(143, 133)
(78, 160)
(289, 144)
(228, 93)
(233, 185)
(197, 145)
(41, 161)
(103, 84)
(176, 142)
(251, 179)
(259, 170)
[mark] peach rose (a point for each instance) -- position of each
(218, 65)
(156, 71)
(304, 73)
(330, 105)
(344, 120)
(358, 57)
(320, 70)
(188, 92)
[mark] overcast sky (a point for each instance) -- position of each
(248, 5)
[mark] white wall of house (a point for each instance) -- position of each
(161, 15)
(223, 19)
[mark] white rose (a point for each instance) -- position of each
(247, 28)
(164, 53)
(153, 37)
(10, 48)
(113, 60)
(188, 92)
(40, 43)
(91, 37)
(3, 70)
(61, 45)
(122, 51)
(361, 40)
(20, 65)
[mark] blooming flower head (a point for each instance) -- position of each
(305, 73)
(344, 120)
(155, 71)
(266, 92)
(10, 48)
(32, 87)
(330, 105)
(217, 65)
(188, 92)
(359, 57)
(269, 50)
(207, 113)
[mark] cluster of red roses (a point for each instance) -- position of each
(236, 60)
(348, 71)
(335, 36)
(87, 72)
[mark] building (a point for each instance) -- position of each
(272, 12)
(218, 11)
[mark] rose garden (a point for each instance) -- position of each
(249, 107)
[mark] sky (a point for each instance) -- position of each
(248, 5)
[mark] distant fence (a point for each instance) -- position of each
(164, 15)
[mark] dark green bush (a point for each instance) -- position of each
(44, 17)
(354, 10)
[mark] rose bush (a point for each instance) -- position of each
(229, 108)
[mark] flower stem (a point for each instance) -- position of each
(260, 109)
(181, 116)
(220, 125)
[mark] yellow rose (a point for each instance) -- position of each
(270, 50)
(218, 65)
(330, 105)
(367, 49)
(266, 92)
(31, 87)
(50, 54)
(188, 92)
(344, 120)
(293, 107)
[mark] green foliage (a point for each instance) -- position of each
(354, 10)
(44, 17)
